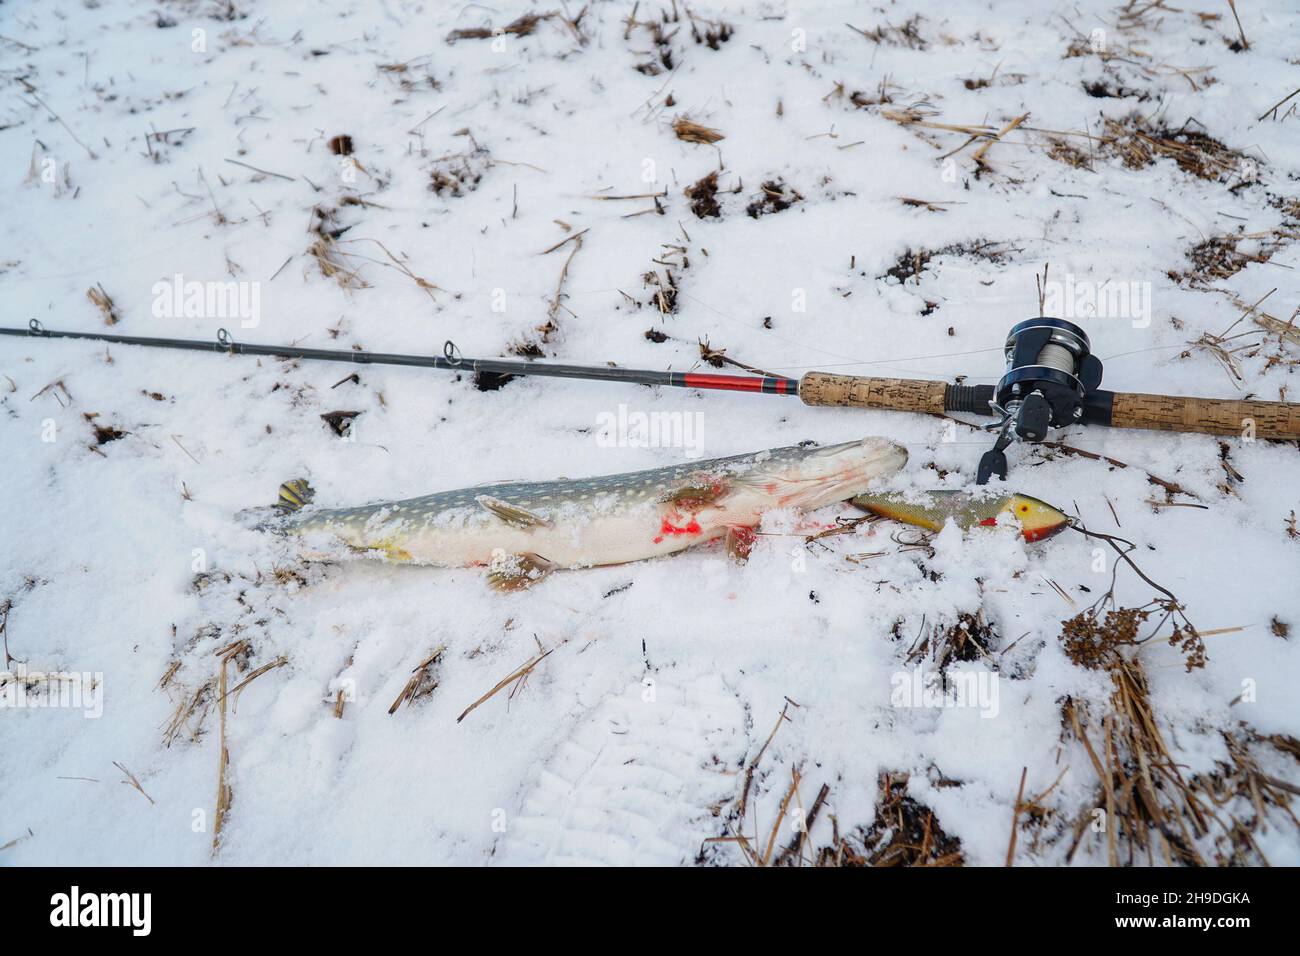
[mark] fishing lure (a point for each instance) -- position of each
(1036, 519)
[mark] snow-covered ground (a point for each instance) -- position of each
(144, 143)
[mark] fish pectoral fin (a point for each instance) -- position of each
(740, 542)
(700, 491)
(514, 572)
(512, 514)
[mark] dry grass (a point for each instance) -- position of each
(333, 264)
(1217, 257)
(662, 30)
(969, 638)
(710, 33)
(1061, 150)
(690, 131)
(885, 93)
(1138, 144)
(665, 290)
(926, 204)
(224, 793)
(914, 261)
(457, 174)
(520, 27)
(907, 34)
(132, 781)
(423, 682)
(1146, 809)
(703, 196)
(744, 815)
(988, 143)
(1134, 140)
(775, 196)
(518, 678)
(904, 833)
(394, 262)
(238, 654)
(104, 303)
(190, 710)
(553, 311)
(103, 433)
(252, 676)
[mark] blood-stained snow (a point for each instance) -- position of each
(539, 180)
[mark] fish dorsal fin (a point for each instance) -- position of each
(511, 514)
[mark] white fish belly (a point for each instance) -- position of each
(606, 539)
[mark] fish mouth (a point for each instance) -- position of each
(832, 473)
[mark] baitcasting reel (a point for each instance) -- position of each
(1051, 373)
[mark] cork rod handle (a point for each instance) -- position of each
(1208, 416)
(1170, 413)
(899, 394)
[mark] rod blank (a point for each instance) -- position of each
(1277, 420)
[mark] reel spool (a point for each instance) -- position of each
(1050, 374)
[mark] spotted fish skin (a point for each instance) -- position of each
(604, 520)
(1037, 519)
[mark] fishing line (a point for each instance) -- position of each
(885, 363)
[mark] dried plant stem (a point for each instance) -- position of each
(1015, 816)
(979, 153)
(223, 759)
(131, 779)
(554, 309)
(412, 688)
(518, 675)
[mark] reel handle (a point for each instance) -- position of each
(1206, 416)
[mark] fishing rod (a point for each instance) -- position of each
(1052, 379)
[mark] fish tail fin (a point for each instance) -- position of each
(294, 493)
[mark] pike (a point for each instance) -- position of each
(522, 531)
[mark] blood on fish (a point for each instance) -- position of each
(668, 528)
